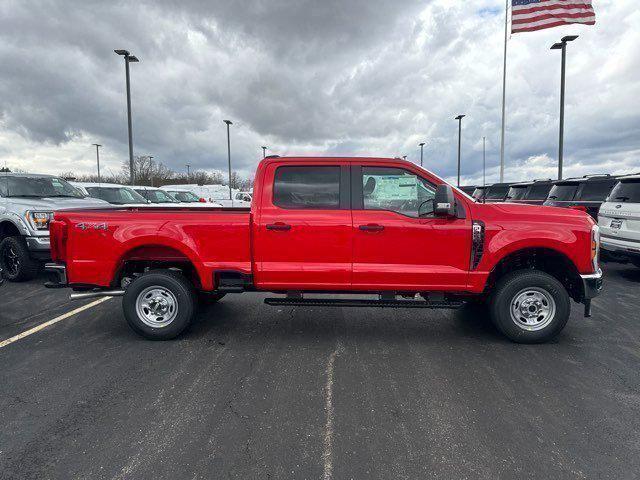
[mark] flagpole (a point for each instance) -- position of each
(504, 88)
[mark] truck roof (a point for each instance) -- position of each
(333, 159)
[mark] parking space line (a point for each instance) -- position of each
(327, 454)
(64, 316)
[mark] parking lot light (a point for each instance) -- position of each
(459, 118)
(128, 58)
(229, 123)
(421, 145)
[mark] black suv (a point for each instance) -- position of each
(585, 193)
(533, 193)
(492, 193)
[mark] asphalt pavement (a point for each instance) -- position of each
(259, 392)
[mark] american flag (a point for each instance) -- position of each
(530, 15)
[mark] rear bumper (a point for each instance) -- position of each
(591, 285)
(620, 246)
(59, 272)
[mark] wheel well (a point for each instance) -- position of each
(8, 229)
(546, 260)
(154, 257)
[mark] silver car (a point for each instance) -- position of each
(27, 202)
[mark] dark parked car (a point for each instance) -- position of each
(492, 193)
(534, 193)
(585, 193)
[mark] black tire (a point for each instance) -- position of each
(537, 290)
(206, 298)
(173, 289)
(15, 261)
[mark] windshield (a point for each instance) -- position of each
(626, 191)
(37, 187)
(157, 196)
(116, 196)
(563, 192)
(517, 193)
(497, 192)
(186, 197)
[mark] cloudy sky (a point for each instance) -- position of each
(352, 77)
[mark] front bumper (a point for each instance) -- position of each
(38, 244)
(591, 285)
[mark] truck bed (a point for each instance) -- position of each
(103, 240)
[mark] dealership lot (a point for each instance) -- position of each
(253, 391)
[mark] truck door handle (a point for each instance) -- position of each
(280, 227)
(372, 227)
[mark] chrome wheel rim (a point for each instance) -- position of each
(156, 306)
(532, 309)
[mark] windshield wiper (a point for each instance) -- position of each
(24, 196)
(63, 196)
(553, 197)
(622, 198)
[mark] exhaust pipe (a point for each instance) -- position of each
(96, 293)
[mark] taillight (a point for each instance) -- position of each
(202, 200)
(595, 247)
(58, 240)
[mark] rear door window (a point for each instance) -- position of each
(626, 191)
(307, 187)
(596, 190)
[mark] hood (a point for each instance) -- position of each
(51, 204)
(525, 211)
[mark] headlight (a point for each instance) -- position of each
(39, 220)
(595, 247)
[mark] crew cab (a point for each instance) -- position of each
(336, 227)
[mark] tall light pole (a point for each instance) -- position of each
(151, 168)
(421, 151)
(484, 162)
(562, 45)
(459, 118)
(98, 159)
(188, 172)
(264, 151)
(229, 123)
(404, 157)
(128, 58)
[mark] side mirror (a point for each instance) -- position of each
(445, 201)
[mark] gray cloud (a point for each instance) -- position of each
(311, 77)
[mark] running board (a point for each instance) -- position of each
(346, 302)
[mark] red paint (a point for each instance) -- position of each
(316, 249)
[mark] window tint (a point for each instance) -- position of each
(395, 189)
(38, 187)
(626, 191)
(185, 197)
(563, 192)
(596, 191)
(497, 192)
(517, 193)
(539, 191)
(157, 196)
(307, 187)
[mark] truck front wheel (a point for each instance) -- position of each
(530, 306)
(18, 266)
(159, 305)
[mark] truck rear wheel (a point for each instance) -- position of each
(15, 261)
(159, 305)
(530, 306)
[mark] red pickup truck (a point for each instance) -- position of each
(384, 231)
